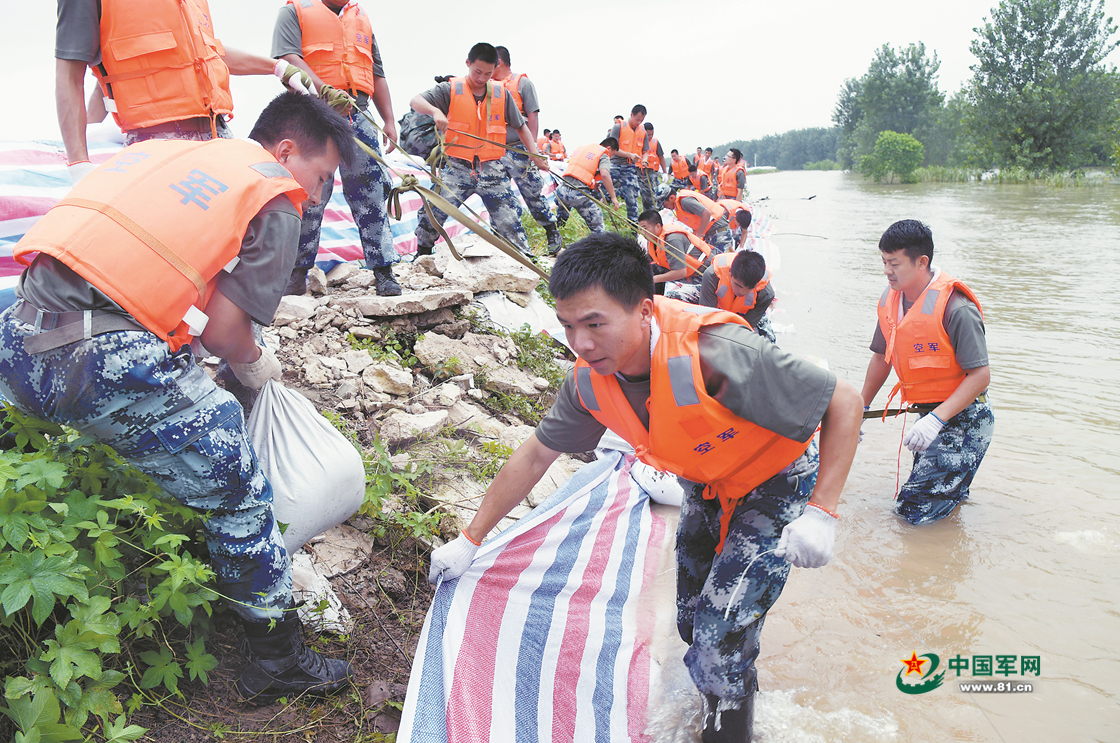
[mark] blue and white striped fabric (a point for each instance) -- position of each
(543, 636)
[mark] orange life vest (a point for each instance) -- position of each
(918, 346)
(726, 299)
(733, 207)
(697, 180)
(485, 119)
(155, 224)
(512, 83)
(659, 247)
(541, 142)
(556, 150)
(583, 165)
(650, 160)
(337, 48)
(680, 168)
(690, 434)
(693, 220)
(705, 165)
(729, 181)
(630, 140)
(161, 63)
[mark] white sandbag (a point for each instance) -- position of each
(317, 476)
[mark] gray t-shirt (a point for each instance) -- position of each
(964, 325)
(529, 104)
(256, 283)
(618, 160)
(660, 152)
(745, 373)
(77, 33)
(762, 302)
(287, 38)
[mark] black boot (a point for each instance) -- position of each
(728, 725)
(384, 282)
(297, 283)
(555, 243)
(283, 666)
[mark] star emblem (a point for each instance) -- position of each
(913, 664)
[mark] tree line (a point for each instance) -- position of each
(1040, 98)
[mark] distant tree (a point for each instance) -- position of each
(898, 93)
(1041, 96)
(787, 151)
(895, 154)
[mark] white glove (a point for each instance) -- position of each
(922, 433)
(865, 409)
(255, 373)
(78, 171)
(807, 541)
(293, 77)
(452, 559)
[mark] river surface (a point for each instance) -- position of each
(1030, 564)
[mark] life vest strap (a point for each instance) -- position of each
(169, 255)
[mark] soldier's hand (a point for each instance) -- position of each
(922, 433)
(541, 162)
(293, 77)
(337, 99)
(441, 121)
(389, 132)
(255, 374)
(452, 559)
(808, 540)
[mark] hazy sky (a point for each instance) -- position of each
(708, 72)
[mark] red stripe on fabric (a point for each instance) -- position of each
(39, 158)
(21, 207)
(637, 681)
(9, 266)
(578, 624)
(470, 703)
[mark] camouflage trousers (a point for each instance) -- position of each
(530, 184)
(578, 201)
(722, 599)
(625, 179)
(365, 184)
(685, 291)
(162, 413)
(766, 329)
(719, 239)
(648, 180)
(943, 473)
(143, 135)
(680, 183)
(491, 182)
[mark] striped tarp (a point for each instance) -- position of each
(545, 637)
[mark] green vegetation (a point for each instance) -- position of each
(894, 155)
(822, 165)
(1041, 99)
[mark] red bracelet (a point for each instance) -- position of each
(468, 537)
(814, 505)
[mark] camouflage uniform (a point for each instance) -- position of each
(720, 240)
(625, 177)
(722, 652)
(530, 184)
(188, 135)
(943, 473)
(491, 182)
(577, 200)
(648, 180)
(366, 187)
(766, 329)
(163, 414)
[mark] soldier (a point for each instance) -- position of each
(103, 344)
(679, 169)
(482, 109)
(705, 217)
(333, 42)
(931, 330)
(733, 179)
(650, 167)
(758, 496)
(520, 168)
(158, 93)
(588, 167)
(632, 146)
(740, 283)
(680, 257)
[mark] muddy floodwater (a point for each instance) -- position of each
(1019, 587)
